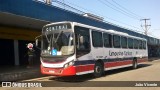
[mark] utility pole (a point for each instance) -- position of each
(146, 26)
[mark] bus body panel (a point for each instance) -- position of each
(113, 58)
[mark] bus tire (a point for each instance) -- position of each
(135, 65)
(98, 69)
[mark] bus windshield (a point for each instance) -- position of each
(57, 43)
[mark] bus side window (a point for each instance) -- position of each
(107, 39)
(140, 44)
(124, 42)
(116, 41)
(136, 43)
(97, 39)
(144, 44)
(130, 43)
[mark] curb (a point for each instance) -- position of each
(16, 76)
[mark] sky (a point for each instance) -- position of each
(125, 13)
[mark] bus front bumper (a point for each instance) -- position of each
(58, 71)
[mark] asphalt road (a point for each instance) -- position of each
(120, 79)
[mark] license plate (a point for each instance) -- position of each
(51, 71)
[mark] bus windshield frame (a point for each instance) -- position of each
(57, 40)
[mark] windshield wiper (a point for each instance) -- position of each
(58, 36)
(47, 38)
(55, 41)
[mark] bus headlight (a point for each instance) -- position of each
(68, 64)
(71, 63)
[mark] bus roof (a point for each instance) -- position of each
(111, 31)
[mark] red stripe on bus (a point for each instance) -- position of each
(117, 63)
(83, 68)
(142, 60)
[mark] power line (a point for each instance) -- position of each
(127, 9)
(156, 29)
(68, 7)
(120, 10)
(102, 15)
(64, 5)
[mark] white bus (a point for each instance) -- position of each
(71, 48)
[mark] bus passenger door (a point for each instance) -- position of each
(82, 38)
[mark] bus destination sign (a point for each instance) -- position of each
(57, 27)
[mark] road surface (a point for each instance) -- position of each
(149, 71)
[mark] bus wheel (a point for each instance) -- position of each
(98, 69)
(135, 65)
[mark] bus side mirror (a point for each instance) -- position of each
(36, 42)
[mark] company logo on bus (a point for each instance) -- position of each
(120, 53)
(58, 27)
